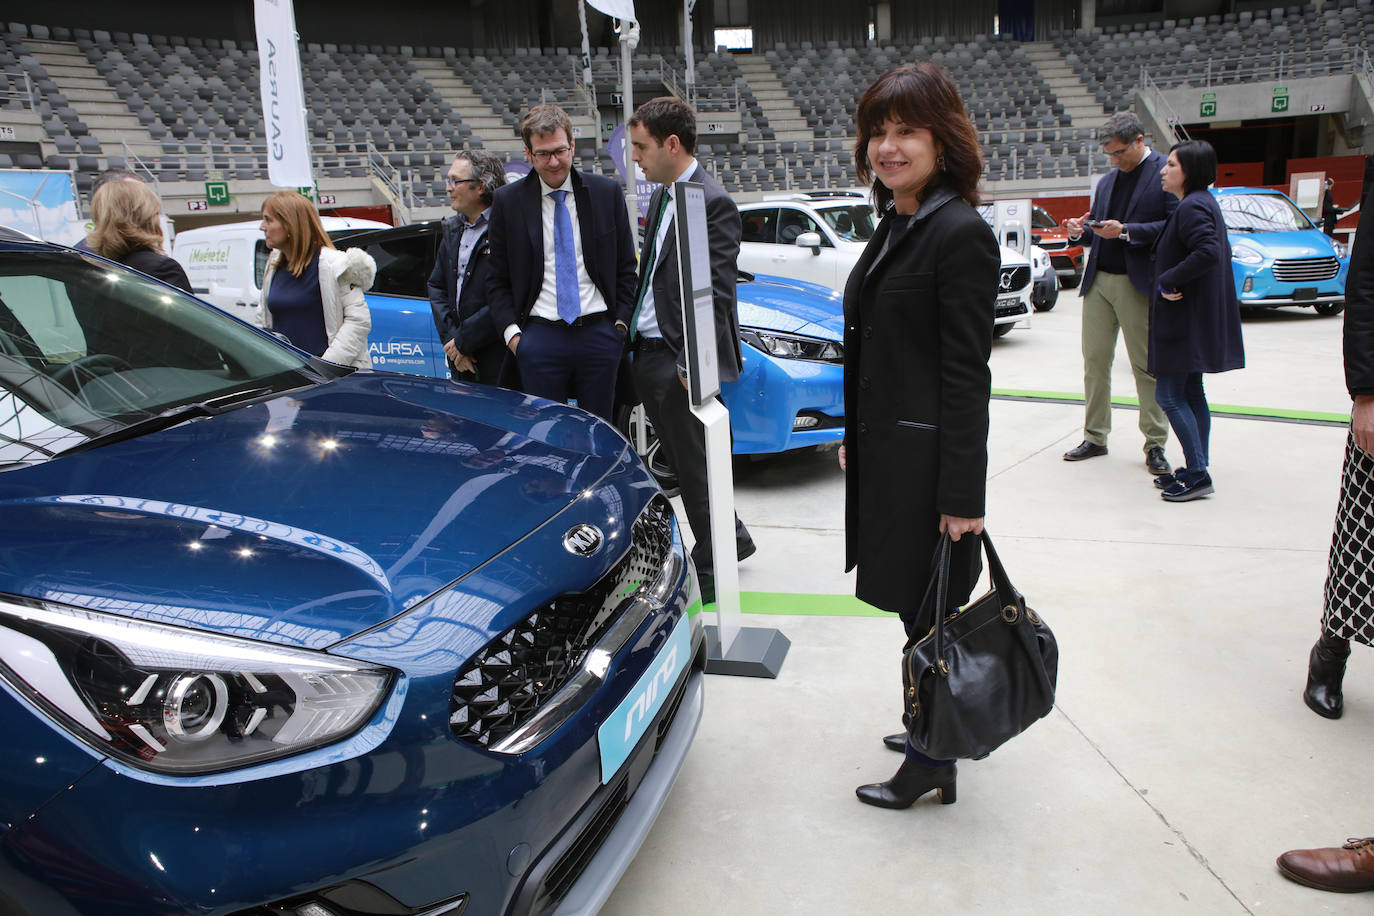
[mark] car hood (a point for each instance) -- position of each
(1303, 243)
(302, 519)
(794, 306)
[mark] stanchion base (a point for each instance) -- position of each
(756, 652)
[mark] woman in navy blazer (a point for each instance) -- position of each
(1194, 314)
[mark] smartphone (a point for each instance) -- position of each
(1093, 223)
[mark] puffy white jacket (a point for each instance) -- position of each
(344, 277)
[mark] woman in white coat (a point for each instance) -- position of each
(312, 292)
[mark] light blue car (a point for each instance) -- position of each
(1278, 255)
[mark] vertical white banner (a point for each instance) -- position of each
(586, 62)
(283, 100)
(616, 9)
(687, 50)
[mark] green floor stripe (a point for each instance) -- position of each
(1228, 410)
(801, 605)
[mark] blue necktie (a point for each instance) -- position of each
(565, 264)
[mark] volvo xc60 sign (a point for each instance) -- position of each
(583, 540)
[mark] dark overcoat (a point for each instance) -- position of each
(918, 334)
(1359, 312)
(1201, 331)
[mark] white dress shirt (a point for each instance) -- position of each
(648, 315)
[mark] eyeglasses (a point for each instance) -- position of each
(544, 155)
(1117, 153)
(455, 182)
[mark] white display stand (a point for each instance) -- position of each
(730, 647)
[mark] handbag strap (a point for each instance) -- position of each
(1006, 592)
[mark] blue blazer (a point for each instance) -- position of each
(1201, 331)
(517, 246)
(1148, 208)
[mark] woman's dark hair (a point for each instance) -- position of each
(1199, 163)
(921, 95)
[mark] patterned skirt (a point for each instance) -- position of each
(1349, 600)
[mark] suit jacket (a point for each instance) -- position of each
(918, 335)
(467, 322)
(1148, 208)
(517, 246)
(1201, 331)
(723, 230)
(1359, 313)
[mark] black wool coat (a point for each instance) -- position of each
(467, 322)
(1201, 331)
(918, 334)
(1359, 312)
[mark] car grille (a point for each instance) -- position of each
(506, 683)
(1014, 278)
(1305, 270)
(1053, 244)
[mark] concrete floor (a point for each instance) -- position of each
(1179, 760)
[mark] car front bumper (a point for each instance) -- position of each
(782, 404)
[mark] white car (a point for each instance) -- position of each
(819, 237)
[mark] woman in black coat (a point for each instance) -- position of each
(918, 333)
(1194, 314)
(128, 229)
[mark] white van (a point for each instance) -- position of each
(225, 263)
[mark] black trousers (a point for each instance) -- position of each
(667, 406)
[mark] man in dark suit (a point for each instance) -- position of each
(1128, 211)
(1331, 213)
(458, 283)
(562, 279)
(663, 137)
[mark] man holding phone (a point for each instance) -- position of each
(1127, 213)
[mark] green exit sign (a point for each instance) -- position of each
(307, 192)
(217, 193)
(1280, 103)
(1208, 109)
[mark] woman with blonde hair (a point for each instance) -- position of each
(312, 292)
(128, 229)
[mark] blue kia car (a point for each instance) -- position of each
(1278, 255)
(278, 637)
(790, 393)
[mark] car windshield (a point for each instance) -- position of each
(852, 222)
(89, 350)
(1261, 213)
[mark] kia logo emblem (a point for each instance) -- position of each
(583, 540)
(1006, 280)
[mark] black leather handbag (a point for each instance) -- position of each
(983, 674)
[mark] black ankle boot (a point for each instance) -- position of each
(911, 781)
(1325, 670)
(895, 742)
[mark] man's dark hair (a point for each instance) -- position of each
(110, 175)
(1123, 126)
(1198, 160)
(544, 120)
(489, 171)
(668, 116)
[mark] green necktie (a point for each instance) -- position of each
(649, 264)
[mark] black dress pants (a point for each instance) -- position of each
(667, 406)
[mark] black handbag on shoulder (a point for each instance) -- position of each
(983, 674)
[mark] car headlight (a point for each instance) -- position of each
(180, 701)
(1341, 250)
(1246, 255)
(793, 346)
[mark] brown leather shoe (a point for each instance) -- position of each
(1347, 870)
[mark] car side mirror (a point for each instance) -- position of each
(810, 240)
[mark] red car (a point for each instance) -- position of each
(1067, 257)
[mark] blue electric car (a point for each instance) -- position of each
(1278, 255)
(277, 637)
(790, 393)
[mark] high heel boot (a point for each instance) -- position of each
(912, 780)
(1325, 670)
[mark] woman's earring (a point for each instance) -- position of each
(940, 161)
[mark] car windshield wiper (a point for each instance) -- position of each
(172, 416)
